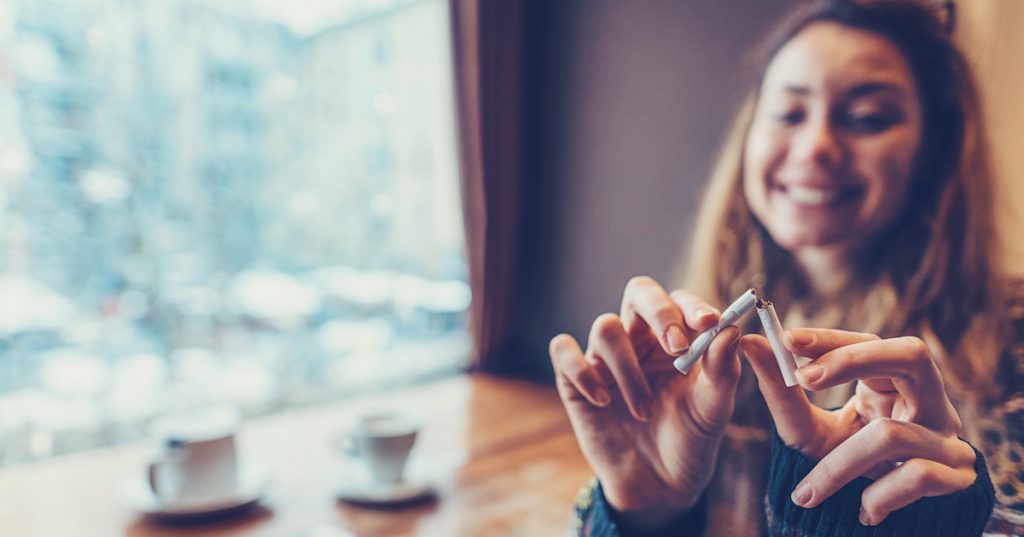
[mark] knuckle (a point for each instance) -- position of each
(919, 351)
(691, 303)
(854, 355)
(667, 315)
(920, 358)
(917, 474)
(682, 296)
(558, 345)
(869, 504)
(956, 424)
(965, 456)
(890, 434)
(811, 335)
(638, 283)
(607, 327)
(966, 478)
(559, 342)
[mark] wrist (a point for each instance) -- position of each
(647, 509)
(643, 521)
(660, 520)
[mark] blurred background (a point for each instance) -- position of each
(274, 203)
(220, 201)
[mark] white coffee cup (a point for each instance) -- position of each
(197, 457)
(383, 441)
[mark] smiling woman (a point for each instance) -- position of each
(855, 192)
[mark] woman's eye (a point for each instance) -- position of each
(871, 122)
(792, 117)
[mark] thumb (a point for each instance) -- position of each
(790, 409)
(715, 389)
(721, 365)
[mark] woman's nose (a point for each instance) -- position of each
(819, 144)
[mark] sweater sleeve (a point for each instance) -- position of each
(961, 514)
(593, 517)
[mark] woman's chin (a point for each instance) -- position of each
(797, 239)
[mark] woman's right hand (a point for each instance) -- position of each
(650, 433)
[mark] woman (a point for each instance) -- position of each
(854, 193)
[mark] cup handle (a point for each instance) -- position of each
(342, 442)
(172, 453)
(152, 473)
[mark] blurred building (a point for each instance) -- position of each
(202, 187)
(380, 138)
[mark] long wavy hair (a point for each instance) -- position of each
(932, 273)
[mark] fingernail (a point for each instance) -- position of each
(802, 494)
(864, 517)
(676, 340)
(799, 338)
(644, 410)
(602, 397)
(703, 313)
(810, 373)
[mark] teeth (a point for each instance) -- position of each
(811, 196)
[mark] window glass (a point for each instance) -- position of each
(253, 202)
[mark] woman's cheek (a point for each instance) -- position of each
(889, 191)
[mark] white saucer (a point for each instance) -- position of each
(422, 481)
(254, 480)
(376, 494)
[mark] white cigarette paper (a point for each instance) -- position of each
(773, 331)
(702, 342)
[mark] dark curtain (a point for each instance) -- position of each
(486, 49)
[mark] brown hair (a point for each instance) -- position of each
(932, 272)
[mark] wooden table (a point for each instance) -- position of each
(521, 472)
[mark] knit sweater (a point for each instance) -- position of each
(962, 514)
(1000, 427)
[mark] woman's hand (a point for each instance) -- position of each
(650, 433)
(899, 429)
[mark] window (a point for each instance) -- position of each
(220, 201)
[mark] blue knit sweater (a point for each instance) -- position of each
(961, 514)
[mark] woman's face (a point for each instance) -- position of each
(830, 151)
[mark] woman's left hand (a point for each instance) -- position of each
(899, 429)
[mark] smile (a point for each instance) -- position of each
(819, 197)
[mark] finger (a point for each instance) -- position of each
(790, 409)
(576, 379)
(813, 342)
(645, 300)
(881, 440)
(609, 344)
(906, 362)
(721, 366)
(698, 313)
(909, 482)
(715, 390)
(873, 404)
